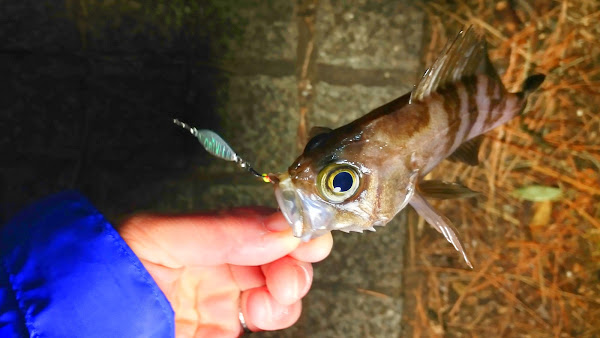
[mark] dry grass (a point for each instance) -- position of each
(537, 264)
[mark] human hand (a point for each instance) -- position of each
(212, 266)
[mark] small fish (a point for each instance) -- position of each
(361, 175)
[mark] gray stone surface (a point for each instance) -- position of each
(262, 114)
(92, 99)
(269, 33)
(370, 34)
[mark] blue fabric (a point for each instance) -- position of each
(66, 272)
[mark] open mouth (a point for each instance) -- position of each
(307, 215)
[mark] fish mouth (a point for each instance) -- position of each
(308, 216)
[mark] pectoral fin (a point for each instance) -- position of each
(444, 190)
(439, 222)
(317, 136)
(314, 131)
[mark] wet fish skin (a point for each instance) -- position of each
(395, 145)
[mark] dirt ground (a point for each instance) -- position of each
(534, 232)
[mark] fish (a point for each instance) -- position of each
(360, 175)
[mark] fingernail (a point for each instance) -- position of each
(276, 222)
(267, 305)
(303, 278)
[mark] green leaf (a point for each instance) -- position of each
(538, 193)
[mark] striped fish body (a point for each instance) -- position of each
(429, 130)
(362, 174)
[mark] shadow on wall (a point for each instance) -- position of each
(92, 88)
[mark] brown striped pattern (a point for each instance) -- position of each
(451, 101)
(407, 123)
(471, 87)
(495, 93)
(486, 105)
(489, 97)
(459, 112)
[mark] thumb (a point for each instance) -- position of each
(239, 236)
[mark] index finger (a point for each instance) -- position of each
(209, 239)
(312, 251)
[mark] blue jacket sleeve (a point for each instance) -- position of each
(66, 272)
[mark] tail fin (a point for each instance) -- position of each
(532, 83)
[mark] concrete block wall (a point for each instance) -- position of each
(91, 97)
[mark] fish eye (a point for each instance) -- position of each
(338, 182)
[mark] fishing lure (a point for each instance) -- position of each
(216, 146)
(361, 175)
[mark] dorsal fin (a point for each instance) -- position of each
(465, 56)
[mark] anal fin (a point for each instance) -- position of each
(468, 152)
(439, 223)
